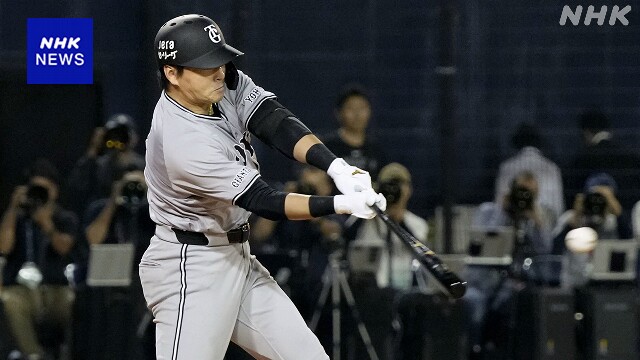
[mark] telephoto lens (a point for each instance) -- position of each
(134, 193)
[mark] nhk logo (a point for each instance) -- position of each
(617, 14)
(60, 51)
(53, 58)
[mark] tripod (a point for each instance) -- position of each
(335, 279)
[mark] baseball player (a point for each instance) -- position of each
(198, 276)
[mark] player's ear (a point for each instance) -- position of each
(171, 73)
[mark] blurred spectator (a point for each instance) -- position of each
(603, 154)
(110, 151)
(489, 290)
(121, 218)
(351, 141)
(597, 207)
(375, 294)
(394, 181)
(526, 139)
(635, 221)
(37, 236)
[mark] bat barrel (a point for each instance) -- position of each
(451, 282)
(455, 286)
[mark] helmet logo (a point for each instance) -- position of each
(214, 35)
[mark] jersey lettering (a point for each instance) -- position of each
(237, 180)
(253, 94)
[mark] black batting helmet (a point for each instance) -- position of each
(196, 41)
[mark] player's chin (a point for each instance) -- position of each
(217, 94)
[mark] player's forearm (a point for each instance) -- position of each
(303, 145)
(263, 200)
(304, 207)
(312, 151)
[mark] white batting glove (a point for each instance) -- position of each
(348, 179)
(359, 204)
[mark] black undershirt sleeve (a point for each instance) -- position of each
(263, 200)
(277, 127)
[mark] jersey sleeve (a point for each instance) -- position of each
(248, 97)
(205, 168)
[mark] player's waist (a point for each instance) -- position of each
(235, 236)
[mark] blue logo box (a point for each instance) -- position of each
(59, 51)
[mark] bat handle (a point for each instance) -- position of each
(377, 210)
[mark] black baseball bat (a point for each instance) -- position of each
(455, 286)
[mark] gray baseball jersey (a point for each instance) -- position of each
(202, 297)
(198, 165)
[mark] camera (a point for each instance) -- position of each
(306, 188)
(391, 189)
(521, 199)
(117, 137)
(134, 193)
(36, 196)
(595, 204)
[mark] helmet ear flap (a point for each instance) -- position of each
(231, 76)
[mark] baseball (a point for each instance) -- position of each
(581, 240)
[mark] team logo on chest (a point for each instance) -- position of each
(214, 34)
(244, 150)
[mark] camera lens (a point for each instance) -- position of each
(391, 190)
(117, 138)
(521, 199)
(133, 193)
(595, 204)
(36, 196)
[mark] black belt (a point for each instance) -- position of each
(235, 236)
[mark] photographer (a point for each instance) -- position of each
(596, 207)
(37, 236)
(489, 292)
(110, 151)
(375, 293)
(121, 218)
(394, 182)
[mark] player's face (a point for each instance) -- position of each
(196, 89)
(355, 113)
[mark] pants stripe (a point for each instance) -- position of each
(183, 295)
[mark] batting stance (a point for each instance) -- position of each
(199, 278)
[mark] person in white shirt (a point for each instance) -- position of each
(527, 140)
(394, 182)
(378, 294)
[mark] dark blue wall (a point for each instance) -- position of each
(515, 62)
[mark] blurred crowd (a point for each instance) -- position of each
(62, 298)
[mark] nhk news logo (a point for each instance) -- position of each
(59, 51)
